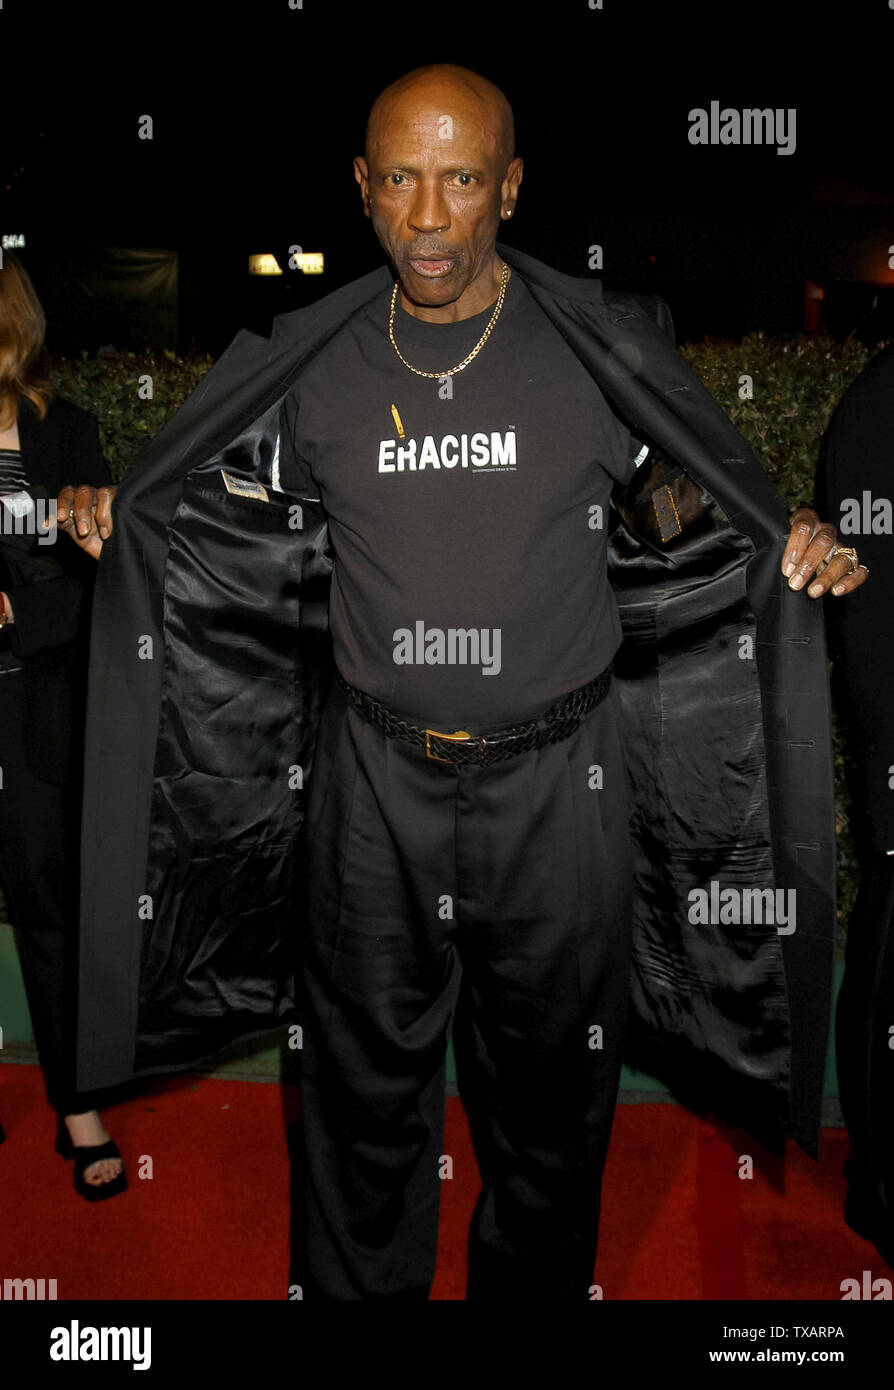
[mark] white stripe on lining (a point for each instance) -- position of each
(275, 484)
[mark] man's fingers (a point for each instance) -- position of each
(104, 497)
(851, 581)
(804, 522)
(808, 559)
(838, 569)
(64, 502)
(75, 507)
(814, 555)
(839, 577)
(84, 510)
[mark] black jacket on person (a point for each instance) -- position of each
(855, 485)
(210, 658)
(49, 585)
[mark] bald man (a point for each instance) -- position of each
(430, 867)
(467, 852)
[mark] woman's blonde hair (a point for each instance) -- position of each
(24, 362)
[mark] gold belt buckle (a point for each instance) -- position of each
(460, 737)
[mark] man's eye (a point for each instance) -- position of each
(464, 179)
(396, 178)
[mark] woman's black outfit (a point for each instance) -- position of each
(42, 692)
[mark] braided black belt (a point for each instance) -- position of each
(555, 724)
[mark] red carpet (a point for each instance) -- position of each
(211, 1222)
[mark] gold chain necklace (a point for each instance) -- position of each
(504, 281)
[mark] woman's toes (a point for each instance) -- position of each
(102, 1172)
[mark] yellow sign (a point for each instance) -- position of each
(310, 262)
(263, 265)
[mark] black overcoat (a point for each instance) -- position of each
(210, 658)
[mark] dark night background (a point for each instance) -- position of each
(259, 109)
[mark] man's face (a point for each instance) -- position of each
(435, 180)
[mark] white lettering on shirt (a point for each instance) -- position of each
(485, 450)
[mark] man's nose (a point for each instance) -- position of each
(428, 211)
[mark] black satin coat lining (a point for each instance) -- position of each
(686, 690)
(247, 663)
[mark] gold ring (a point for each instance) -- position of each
(851, 555)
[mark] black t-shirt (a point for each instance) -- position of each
(468, 515)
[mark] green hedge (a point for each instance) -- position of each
(109, 387)
(796, 384)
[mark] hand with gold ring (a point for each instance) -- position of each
(85, 512)
(812, 550)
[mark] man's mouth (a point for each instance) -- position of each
(431, 267)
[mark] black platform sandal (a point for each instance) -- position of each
(84, 1155)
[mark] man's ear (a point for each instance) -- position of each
(510, 185)
(361, 174)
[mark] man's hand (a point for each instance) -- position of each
(809, 549)
(85, 512)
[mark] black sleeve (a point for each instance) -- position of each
(46, 614)
(48, 610)
(294, 472)
(621, 449)
(854, 483)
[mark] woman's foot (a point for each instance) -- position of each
(86, 1131)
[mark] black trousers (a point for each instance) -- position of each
(864, 1017)
(39, 868)
(499, 897)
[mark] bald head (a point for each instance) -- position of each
(438, 176)
(448, 88)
